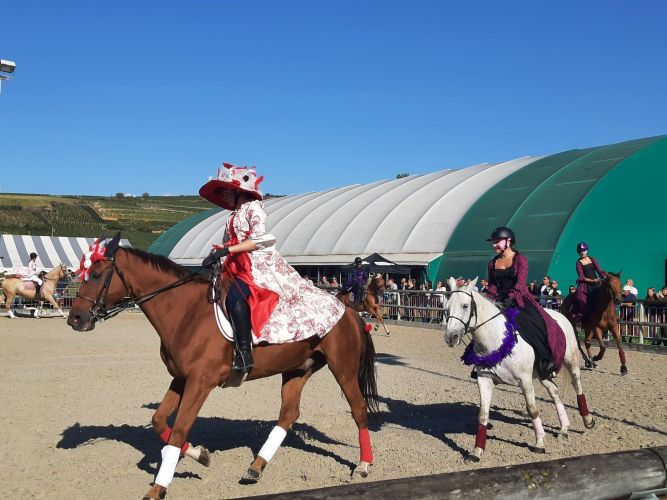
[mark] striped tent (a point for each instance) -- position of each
(51, 250)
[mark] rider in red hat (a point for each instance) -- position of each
(268, 298)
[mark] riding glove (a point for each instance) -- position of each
(508, 302)
(212, 258)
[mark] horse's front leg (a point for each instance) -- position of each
(290, 394)
(588, 342)
(485, 385)
(619, 345)
(377, 312)
(603, 346)
(528, 390)
(170, 403)
(196, 390)
(53, 302)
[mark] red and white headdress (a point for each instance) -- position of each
(243, 179)
(95, 252)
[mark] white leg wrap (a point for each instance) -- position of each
(272, 444)
(170, 456)
(562, 415)
(193, 452)
(539, 429)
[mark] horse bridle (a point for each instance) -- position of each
(98, 308)
(467, 329)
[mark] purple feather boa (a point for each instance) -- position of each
(470, 357)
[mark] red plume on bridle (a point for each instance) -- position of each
(95, 253)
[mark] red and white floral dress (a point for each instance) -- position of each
(284, 307)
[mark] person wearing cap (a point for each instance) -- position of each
(589, 276)
(267, 297)
(357, 281)
(508, 272)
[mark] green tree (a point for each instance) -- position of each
(403, 174)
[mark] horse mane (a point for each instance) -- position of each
(164, 264)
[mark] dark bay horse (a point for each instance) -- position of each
(600, 316)
(371, 302)
(199, 358)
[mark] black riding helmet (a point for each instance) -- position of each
(358, 260)
(502, 232)
(33, 255)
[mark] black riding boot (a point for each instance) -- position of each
(545, 368)
(38, 291)
(240, 316)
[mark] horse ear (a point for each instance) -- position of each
(452, 283)
(112, 246)
(472, 283)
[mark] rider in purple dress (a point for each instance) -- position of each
(589, 276)
(357, 281)
(508, 272)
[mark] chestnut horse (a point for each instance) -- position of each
(371, 302)
(199, 358)
(600, 316)
(16, 286)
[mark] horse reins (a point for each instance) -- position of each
(98, 309)
(467, 329)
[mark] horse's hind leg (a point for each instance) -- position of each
(9, 300)
(485, 385)
(552, 389)
(344, 370)
(293, 383)
(168, 405)
(575, 373)
(528, 390)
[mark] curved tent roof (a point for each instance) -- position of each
(442, 219)
(407, 220)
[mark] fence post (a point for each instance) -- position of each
(641, 328)
(398, 308)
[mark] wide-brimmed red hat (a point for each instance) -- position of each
(242, 179)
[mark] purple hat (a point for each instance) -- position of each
(582, 247)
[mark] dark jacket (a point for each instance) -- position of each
(521, 295)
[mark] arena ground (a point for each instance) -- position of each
(76, 408)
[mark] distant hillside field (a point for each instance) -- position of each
(140, 219)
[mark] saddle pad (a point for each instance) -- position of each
(224, 325)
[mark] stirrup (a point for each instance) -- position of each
(243, 361)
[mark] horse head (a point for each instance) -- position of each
(460, 309)
(613, 282)
(377, 283)
(98, 291)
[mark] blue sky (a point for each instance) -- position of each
(152, 96)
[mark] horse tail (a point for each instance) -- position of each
(367, 376)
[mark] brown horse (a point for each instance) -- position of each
(12, 287)
(371, 302)
(600, 317)
(199, 358)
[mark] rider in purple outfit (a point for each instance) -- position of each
(589, 275)
(357, 281)
(508, 272)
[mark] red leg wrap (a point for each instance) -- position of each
(621, 354)
(583, 407)
(365, 446)
(166, 434)
(480, 437)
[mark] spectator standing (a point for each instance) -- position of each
(628, 310)
(534, 289)
(544, 290)
(631, 283)
(485, 285)
(324, 283)
(651, 311)
(556, 296)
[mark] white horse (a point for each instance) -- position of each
(471, 313)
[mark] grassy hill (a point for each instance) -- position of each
(141, 219)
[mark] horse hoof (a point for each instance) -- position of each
(362, 469)
(537, 449)
(376, 327)
(470, 458)
(624, 370)
(590, 424)
(204, 457)
(251, 476)
(563, 436)
(597, 357)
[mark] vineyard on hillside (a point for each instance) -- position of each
(140, 219)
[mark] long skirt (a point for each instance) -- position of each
(533, 330)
